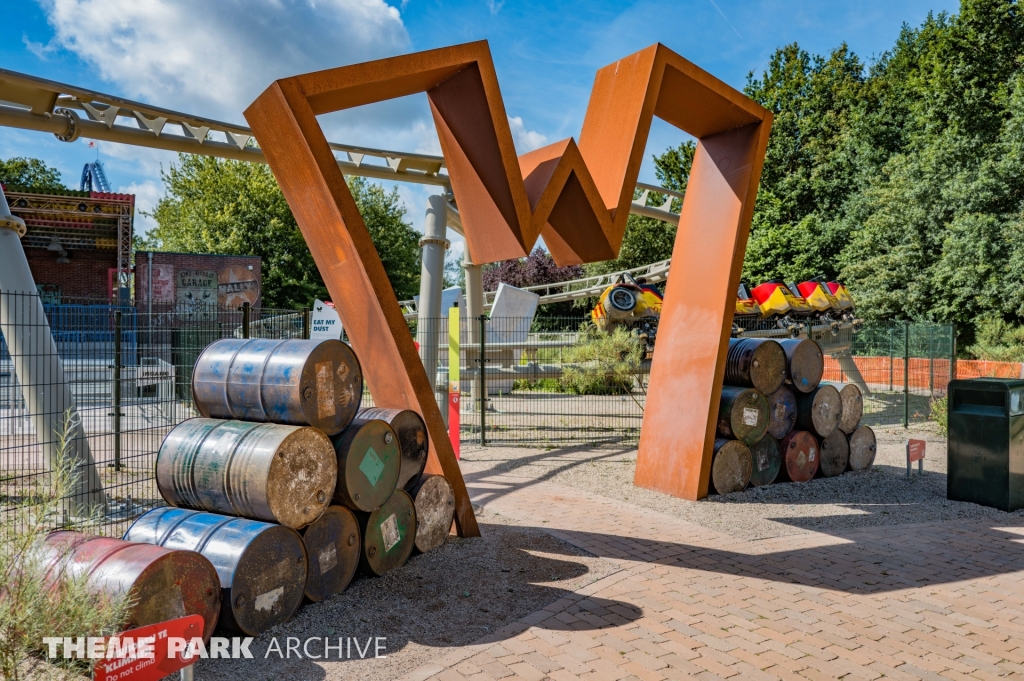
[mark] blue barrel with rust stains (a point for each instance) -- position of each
(263, 471)
(262, 566)
(298, 382)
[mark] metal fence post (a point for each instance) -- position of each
(952, 353)
(906, 374)
(891, 357)
(245, 319)
(305, 323)
(117, 390)
(482, 380)
(931, 361)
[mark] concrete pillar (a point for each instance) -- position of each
(40, 371)
(433, 244)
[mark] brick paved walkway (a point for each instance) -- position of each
(904, 602)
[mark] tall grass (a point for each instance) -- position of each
(41, 593)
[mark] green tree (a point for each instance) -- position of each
(29, 173)
(232, 207)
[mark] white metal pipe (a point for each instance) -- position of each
(433, 245)
(40, 371)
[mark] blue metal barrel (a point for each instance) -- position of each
(262, 567)
(299, 382)
(264, 471)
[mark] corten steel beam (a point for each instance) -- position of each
(577, 196)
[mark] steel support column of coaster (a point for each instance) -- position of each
(428, 324)
(474, 310)
(40, 372)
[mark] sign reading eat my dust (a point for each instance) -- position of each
(325, 323)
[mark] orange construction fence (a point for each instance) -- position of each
(923, 373)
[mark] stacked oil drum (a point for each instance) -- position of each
(278, 494)
(777, 421)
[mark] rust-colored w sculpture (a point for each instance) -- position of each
(576, 196)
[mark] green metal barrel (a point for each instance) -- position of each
(369, 463)
(333, 546)
(264, 471)
(389, 534)
(742, 414)
(766, 458)
(413, 441)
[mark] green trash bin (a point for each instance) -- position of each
(985, 453)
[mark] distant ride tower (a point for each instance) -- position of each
(92, 174)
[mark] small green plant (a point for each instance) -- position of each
(940, 415)
(42, 595)
(605, 364)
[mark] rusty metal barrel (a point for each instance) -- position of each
(333, 547)
(731, 466)
(264, 471)
(742, 414)
(369, 463)
(853, 408)
(413, 442)
(835, 454)
(435, 508)
(805, 363)
(863, 447)
(389, 534)
(166, 583)
(819, 411)
(766, 458)
(262, 567)
(755, 363)
(782, 410)
(298, 382)
(800, 456)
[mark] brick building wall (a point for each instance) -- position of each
(182, 277)
(87, 275)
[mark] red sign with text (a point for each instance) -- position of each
(915, 450)
(142, 654)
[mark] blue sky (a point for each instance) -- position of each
(213, 58)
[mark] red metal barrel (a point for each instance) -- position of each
(166, 583)
(299, 382)
(266, 471)
(800, 456)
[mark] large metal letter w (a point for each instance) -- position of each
(575, 196)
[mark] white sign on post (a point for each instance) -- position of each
(324, 323)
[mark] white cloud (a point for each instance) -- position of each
(525, 140)
(495, 7)
(214, 58)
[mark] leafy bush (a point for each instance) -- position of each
(42, 595)
(998, 341)
(604, 363)
(940, 415)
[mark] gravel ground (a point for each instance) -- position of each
(880, 496)
(449, 597)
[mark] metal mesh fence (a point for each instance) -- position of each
(545, 382)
